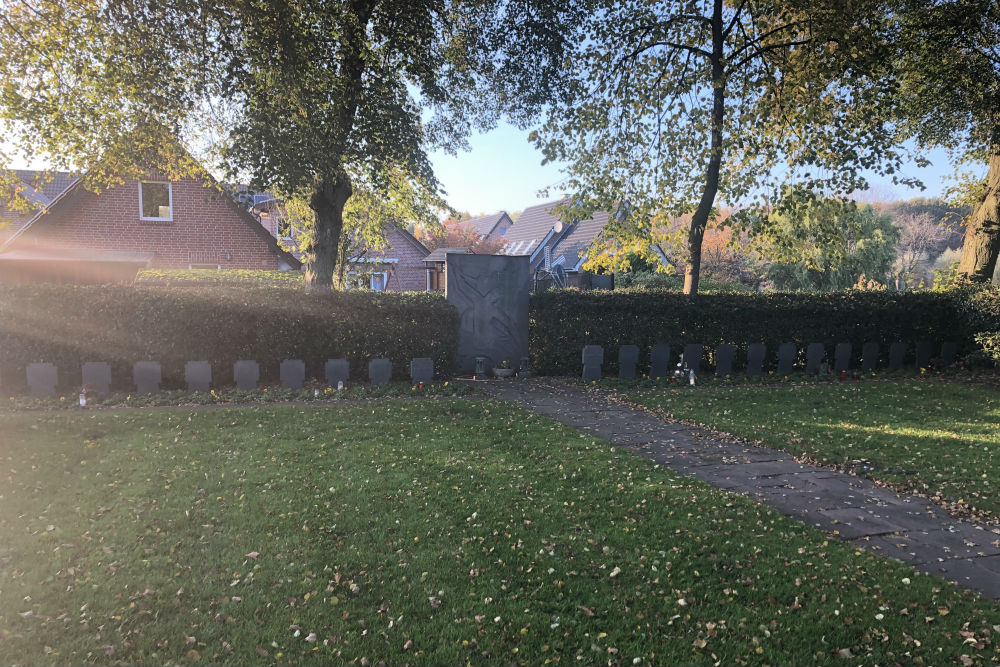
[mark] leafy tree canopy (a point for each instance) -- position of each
(671, 103)
(827, 244)
(323, 98)
(946, 55)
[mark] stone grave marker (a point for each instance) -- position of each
(814, 358)
(379, 371)
(948, 352)
(292, 373)
(147, 376)
(755, 358)
(786, 358)
(628, 359)
(42, 379)
(246, 373)
(659, 366)
(842, 357)
(593, 357)
(924, 351)
(421, 370)
(198, 375)
(337, 370)
(897, 351)
(724, 355)
(98, 375)
(869, 356)
(692, 357)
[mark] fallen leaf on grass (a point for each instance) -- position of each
(586, 612)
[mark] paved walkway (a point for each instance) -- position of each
(908, 528)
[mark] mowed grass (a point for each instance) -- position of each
(443, 532)
(934, 437)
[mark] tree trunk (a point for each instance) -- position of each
(699, 221)
(982, 231)
(328, 199)
(331, 191)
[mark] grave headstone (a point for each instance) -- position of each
(659, 366)
(924, 351)
(814, 358)
(421, 370)
(147, 376)
(786, 358)
(292, 373)
(593, 357)
(755, 358)
(948, 352)
(692, 357)
(246, 373)
(97, 375)
(379, 371)
(897, 352)
(724, 355)
(869, 356)
(337, 370)
(842, 357)
(42, 379)
(628, 359)
(198, 375)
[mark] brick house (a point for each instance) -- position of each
(154, 222)
(399, 267)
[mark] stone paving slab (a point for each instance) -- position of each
(908, 528)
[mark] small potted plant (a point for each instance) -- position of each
(503, 369)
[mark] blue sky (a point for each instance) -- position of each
(503, 171)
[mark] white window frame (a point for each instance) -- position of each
(170, 201)
(385, 280)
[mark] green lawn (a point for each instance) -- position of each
(423, 532)
(935, 437)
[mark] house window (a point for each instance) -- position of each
(377, 282)
(155, 201)
(284, 228)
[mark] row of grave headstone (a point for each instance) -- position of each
(725, 354)
(147, 376)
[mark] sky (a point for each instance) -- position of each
(503, 172)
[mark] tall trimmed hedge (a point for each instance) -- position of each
(563, 321)
(69, 325)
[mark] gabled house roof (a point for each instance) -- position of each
(40, 188)
(530, 230)
(536, 227)
(485, 225)
(577, 239)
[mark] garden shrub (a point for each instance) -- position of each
(225, 277)
(563, 321)
(69, 325)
